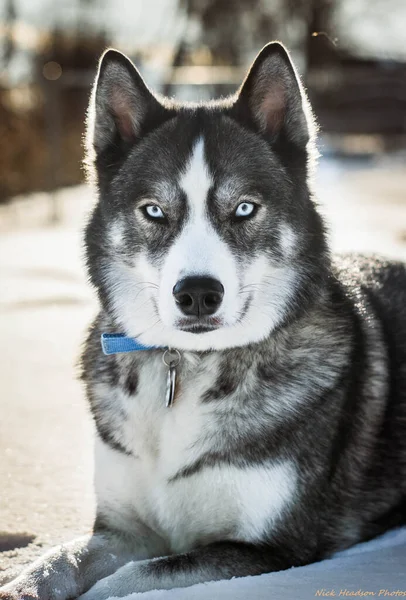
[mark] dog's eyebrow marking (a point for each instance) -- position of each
(232, 188)
(165, 191)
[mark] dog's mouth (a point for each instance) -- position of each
(199, 325)
(206, 324)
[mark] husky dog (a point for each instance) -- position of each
(285, 440)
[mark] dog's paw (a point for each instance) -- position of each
(102, 590)
(123, 582)
(29, 590)
(8, 596)
(15, 594)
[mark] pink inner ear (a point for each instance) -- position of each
(270, 107)
(124, 111)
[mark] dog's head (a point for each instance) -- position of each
(204, 235)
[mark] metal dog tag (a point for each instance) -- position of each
(170, 385)
(171, 362)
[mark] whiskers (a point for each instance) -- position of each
(147, 286)
(250, 288)
(270, 298)
(148, 329)
(151, 299)
(266, 283)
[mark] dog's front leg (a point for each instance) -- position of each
(221, 560)
(70, 569)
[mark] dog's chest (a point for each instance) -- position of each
(162, 482)
(159, 435)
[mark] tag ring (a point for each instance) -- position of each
(172, 363)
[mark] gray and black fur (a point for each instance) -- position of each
(309, 407)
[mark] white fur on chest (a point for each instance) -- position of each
(215, 503)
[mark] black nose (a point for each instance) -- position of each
(198, 296)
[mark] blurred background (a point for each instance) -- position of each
(352, 58)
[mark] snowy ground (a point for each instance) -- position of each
(45, 429)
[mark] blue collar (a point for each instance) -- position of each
(115, 343)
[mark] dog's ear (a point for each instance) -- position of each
(121, 103)
(273, 98)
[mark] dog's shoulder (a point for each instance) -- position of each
(372, 271)
(377, 284)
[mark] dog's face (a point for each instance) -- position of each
(204, 236)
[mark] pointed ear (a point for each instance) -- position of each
(273, 97)
(121, 103)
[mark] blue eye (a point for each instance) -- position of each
(154, 212)
(245, 209)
